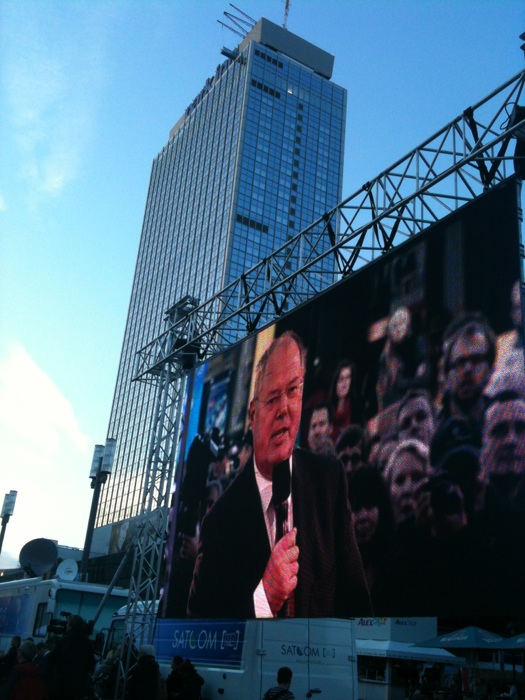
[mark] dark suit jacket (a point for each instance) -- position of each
(234, 548)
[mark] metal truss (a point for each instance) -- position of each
(461, 161)
(148, 546)
(455, 165)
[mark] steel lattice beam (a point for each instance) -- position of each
(462, 160)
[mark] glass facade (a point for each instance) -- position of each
(256, 158)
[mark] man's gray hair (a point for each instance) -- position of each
(277, 342)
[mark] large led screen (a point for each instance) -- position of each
(366, 453)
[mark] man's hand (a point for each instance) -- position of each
(280, 576)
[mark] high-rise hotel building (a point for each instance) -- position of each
(256, 157)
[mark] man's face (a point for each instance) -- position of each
(416, 420)
(320, 428)
(469, 367)
(351, 457)
(275, 413)
(366, 520)
(503, 449)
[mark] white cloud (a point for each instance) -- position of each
(47, 456)
(53, 87)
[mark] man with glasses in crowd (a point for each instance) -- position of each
(270, 550)
(469, 353)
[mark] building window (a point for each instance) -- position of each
(371, 668)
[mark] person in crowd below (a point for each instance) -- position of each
(174, 680)
(373, 520)
(408, 469)
(191, 682)
(282, 690)
(320, 430)
(403, 363)
(470, 348)
(72, 662)
(352, 448)
(24, 681)
(43, 659)
(509, 367)
(10, 658)
(145, 680)
(280, 540)
(106, 673)
(381, 451)
(340, 401)
(415, 417)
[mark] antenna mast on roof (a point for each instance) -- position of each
(238, 22)
(286, 10)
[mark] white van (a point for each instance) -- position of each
(239, 660)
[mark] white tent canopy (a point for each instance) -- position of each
(404, 650)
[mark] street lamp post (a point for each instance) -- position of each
(7, 511)
(101, 467)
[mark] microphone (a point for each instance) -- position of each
(280, 494)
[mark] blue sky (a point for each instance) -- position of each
(88, 92)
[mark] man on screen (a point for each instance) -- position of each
(243, 569)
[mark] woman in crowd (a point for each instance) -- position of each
(408, 469)
(373, 519)
(340, 398)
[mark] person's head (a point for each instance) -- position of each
(470, 350)
(503, 443)
(26, 651)
(284, 676)
(75, 623)
(275, 409)
(415, 416)
(380, 454)
(176, 662)
(320, 426)
(16, 641)
(147, 650)
(371, 508)
(351, 447)
(399, 325)
(447, 504)
(407, 470)
(342, 381)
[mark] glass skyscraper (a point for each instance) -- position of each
(256, 157)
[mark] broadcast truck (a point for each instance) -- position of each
(33, 607)
(240, 659)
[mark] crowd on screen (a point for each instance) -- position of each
(436, 480)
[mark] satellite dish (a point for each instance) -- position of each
(67, 570)
(38, 556)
